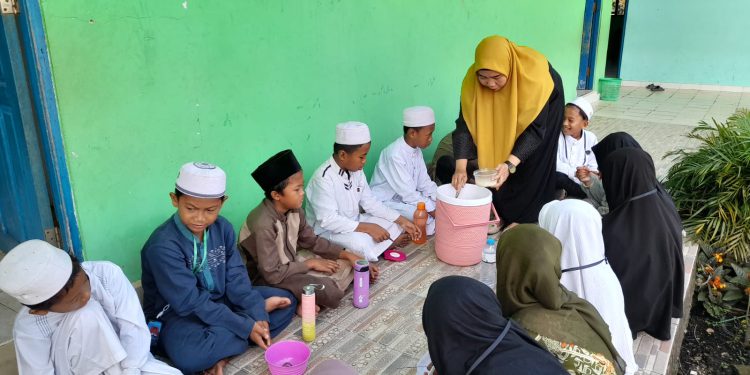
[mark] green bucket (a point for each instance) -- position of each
(609, 88)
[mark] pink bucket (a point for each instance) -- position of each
(461, 224)
(287, 357)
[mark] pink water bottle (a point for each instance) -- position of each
(361, 284)
(308, 312)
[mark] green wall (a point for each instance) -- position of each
(687, 41)
(144, 86)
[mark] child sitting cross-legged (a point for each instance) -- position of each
(400, 179)
(78, 318)
(282, 250)
(338, 190)
(194, 281)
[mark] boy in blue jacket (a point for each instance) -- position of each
(196, 285)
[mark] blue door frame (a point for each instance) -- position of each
(25, 210)
(589, 42)
(33, 44)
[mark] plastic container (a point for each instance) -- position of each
(461, 224)
(287, 358)
(609, 89)
(488, 274)
(420, 220)
(488, 253)
(308, 313)
(485, 177)
(361, 298)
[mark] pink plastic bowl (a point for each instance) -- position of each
(287, 358)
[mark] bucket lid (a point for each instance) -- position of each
(471, 195)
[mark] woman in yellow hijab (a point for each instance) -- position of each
(512, 106)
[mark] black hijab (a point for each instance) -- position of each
(643, 241)
(612, 142)
(462, 318)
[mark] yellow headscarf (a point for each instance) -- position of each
(496, 119)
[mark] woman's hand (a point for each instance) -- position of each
(503, 172)
(459, 176)
(459, 180)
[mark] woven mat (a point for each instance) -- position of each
(384, 338)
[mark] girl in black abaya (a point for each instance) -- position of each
(643, 241)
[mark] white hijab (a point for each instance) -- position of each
(578, 226)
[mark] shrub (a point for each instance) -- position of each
(711, 186)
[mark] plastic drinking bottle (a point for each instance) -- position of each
(420, 220)
(361, 284)
(308, 313)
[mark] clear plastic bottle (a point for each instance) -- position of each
(487, 270)
(420, 220)
(489, 253)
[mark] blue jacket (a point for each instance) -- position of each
(220, 295)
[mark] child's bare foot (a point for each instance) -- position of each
(402, 240)
(299, 310)
(273, 303)
(218, 368)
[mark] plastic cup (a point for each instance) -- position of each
(485, 177)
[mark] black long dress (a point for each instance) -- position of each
(522, 196)
(643, 241)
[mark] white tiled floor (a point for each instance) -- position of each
(673, 106)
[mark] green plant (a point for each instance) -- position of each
(711, 185)
(722, 285)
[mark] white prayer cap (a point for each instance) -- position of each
(34, 271)
(352, 133)
(416, 117)
(201, 180)
(585, 106)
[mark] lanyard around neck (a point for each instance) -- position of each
(585, 152)
(197, 268)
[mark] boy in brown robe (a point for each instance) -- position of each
(276, 232)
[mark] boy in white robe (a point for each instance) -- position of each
(338, 190)
(77, 318)
(400, 179)
(574, 155)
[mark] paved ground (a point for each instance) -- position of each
(387, 337)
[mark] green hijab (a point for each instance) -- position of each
(528, 279)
